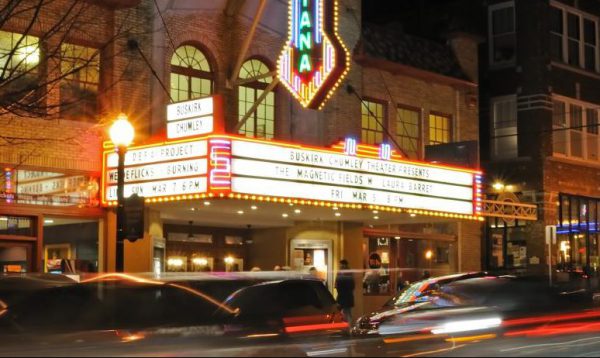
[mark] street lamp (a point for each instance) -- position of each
(121, 134)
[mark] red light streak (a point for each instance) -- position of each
(553, 330)
(551, 318)
(316, 327)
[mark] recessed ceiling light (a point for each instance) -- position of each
(254, 207)
(291, 204)
(193, 209)
(240, 212)
(48, 221)
(397, 237)
(297, 211)
(335, 208)
(375, 212)
(376, 217)
(338, 214)
(413, 215)
(207, 203)
(284, 215)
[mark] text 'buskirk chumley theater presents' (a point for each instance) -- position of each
(220, 202)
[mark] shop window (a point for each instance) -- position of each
(502, 33)
(80, 71)
(504, 127)
(573, 37)
(17, 226)
(408, 131)
(191, 74)
(261, 122)
(373, 116)
(70, 245)
(440, 129)
(376, 280)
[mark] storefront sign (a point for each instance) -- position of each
(194, 118)
(271, 170)
(314, 60)
(49, 188)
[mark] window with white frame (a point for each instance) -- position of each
(503, 115)
(502, 33)
(573, 37)
(575, 130)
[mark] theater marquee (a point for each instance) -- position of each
(236, 167)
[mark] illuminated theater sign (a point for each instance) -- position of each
(314, 60)
(237, 167)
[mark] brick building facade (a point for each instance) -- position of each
(539, 135)
(415, 94)
(51, 158)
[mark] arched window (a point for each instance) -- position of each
(191, 75)
(261, 123)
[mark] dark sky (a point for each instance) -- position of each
(427, 18)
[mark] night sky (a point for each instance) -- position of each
(426, 18)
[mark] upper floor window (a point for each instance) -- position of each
(440, 129)
(191, 75)
(80, 71)
(573, 37)
(502, 33)
(408, 131)
(504, 127)
(575, 130)
(255, 78)
(18, 54)
(372, 121)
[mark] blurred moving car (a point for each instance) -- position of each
(121, 314)
(418, 292)
(466, 304)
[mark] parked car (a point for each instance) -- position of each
(122, 314)
(14, 287)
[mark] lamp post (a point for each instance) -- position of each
(121, 134)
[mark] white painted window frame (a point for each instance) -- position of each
(565, 35)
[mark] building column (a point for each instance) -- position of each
(109, 248)
(469, 245)
(139, 255)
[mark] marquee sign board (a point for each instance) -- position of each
(163, 169)
(235, 166)
(272, 170)
(194, 118)
(314, 60)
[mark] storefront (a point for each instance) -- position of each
(577, 235)
(50, 221)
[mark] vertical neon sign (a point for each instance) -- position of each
(219, 171)
(314, 61)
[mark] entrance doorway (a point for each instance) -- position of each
(306, 254)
